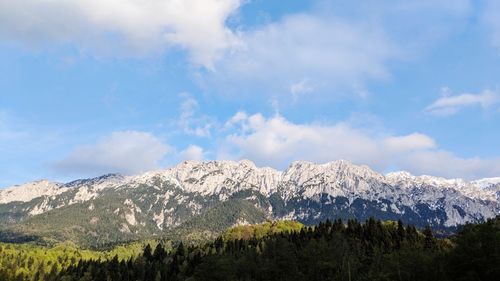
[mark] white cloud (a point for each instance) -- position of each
(235, 119)
(276, 142)
(325, 51)
(410, 142)
(336, 48)
(125, 152)
(449, 104)
(190, 122)
(198, 26)
(301, 88)
(446, 164)
(193, 152)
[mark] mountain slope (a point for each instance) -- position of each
(116, 208)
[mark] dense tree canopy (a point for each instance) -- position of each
(373, 250)
(330, 251)
(33, 262)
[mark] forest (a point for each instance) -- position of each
(332, 250)
(27, 261)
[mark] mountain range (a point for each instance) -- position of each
(198, 200)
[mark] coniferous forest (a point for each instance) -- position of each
(373, 250)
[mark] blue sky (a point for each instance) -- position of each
(93, 87)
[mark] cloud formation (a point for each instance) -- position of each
(449, 104)
(438, 162)
(126, 152)
(190, 121)
(198, 26)
(192, 152)
(325, 51)
(276, 142)
(336, 49)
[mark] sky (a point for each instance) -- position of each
(89, 87)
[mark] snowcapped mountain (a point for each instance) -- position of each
(114, 207)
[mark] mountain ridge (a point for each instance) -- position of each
(106, 179)
(155, 202)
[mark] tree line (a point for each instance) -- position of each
(332, 250)
(27, 261)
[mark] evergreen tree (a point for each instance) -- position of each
(147, 253)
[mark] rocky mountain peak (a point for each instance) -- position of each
(213, 176)
(399, 176)
(104, 179)
(193, 184)
(28, 191)
(247, 163)
(339, 170)
(487, 182)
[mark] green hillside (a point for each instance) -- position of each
(216, 220)
(33, 262)
(329, 251)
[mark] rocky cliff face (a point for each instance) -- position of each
(156, 201)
